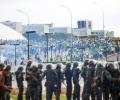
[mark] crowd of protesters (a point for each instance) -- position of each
(60, 48)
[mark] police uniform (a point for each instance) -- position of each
(108, 79)
(51, 83)
(115, 85)
(20, 79)
(2, 82)
(83, 74)
(90, 83)
(33, 81)
(99, 71)
(68, 76)
(60, 76)
(76, 74)
(8, 82)
(40, 75)
(28, 79)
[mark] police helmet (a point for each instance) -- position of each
(20, 68)
(29, 63)
(40, 66)
(68, 65)
(8, 67)
(48, 66)
(86, 62)
(99, 65)
(91, 64)
(2, 65)
(75, 64)
(34, 68)
(58, 66)
(109, 66)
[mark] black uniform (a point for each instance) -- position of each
(115, 90)
(33, 83)
(28, 79)
(83, 74)
(20, 79)
(68, 76)
(89, 85)
(99, 71)
(108, 79)
(76, 74)
(40, 75)
(8, 81)
(2, 82)
(51, 83)
(60, 76)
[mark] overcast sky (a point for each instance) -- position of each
(49, 11)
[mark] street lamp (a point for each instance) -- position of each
(28, 34)
(1, 44)
(28, 22)
(70, 12)
(103, 24)
(28, 18)
(47, 40)
(15, 62)
(117, 41)
(51, 47)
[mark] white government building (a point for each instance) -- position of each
(84, 29)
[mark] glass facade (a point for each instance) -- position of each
(81, 24)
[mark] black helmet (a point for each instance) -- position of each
(29, 63)
(91, 63)
(68, 65)
(86, 62)
(40, 66)
(109, 66)
(8, 67)
(34, 68)
(48, 66)
(2, 65)
(20, 68)
(58, 66)
(75, 64)
(99, 65)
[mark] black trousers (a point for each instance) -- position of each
(76, 93)
(69, 91)
(20, 93)
(40, 91)
(49, 92)
(99, 93)
(2, 94)
(106, 93)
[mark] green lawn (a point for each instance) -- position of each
(62, 97)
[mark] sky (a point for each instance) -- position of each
(50, 11)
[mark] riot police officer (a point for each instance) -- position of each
(83, 73)
(40, 75)
(60, 76)
(84, 69)
(107, 81)
(115, 85)
(68, 77)
(90, 83)
(2, 84)
(8, 81)
(34, 84)
(51, 83)
(76, 74)
(20, 79)
(28, 79)
(99, 71)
